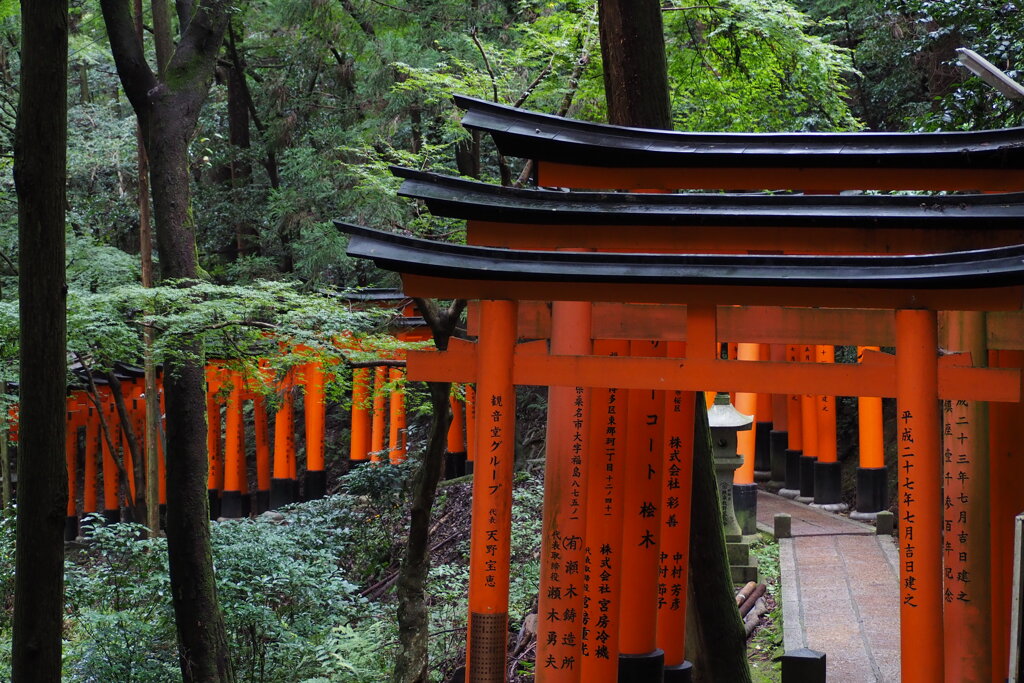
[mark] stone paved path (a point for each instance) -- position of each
(840, 591)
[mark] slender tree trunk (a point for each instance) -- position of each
(40, 163)
(720, 639)
(5, 463)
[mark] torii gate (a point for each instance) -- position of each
(915, 287)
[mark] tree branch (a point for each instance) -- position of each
(191, 65)
(137, 78)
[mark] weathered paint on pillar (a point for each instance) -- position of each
(491, 529)
(234, 449)
(380, 374)
(794, 407)
(603, 559)
(967, 614)
(314, 411)
(470, 422)
(869, 422)
(261, 427)
(826, 405)
(920, 501)
(673, 572)
(92, 459)
(564, 524)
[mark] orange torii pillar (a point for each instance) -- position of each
(470, 426)
(920, 501)
(602, 569)
(809, 420)
(640, 659)
(764, 427)
(1006, 467)
(315, 413)
(359, 430)
(967, 613)
(93, 453)
(872, 478)
(379, 423)
(215, 476)
(744, 490)
(828, 485)
(261, 426)
(76, 413)
(111, 477)
(673, 572)
(396, 409)
(491, 527)
(795, 436)
(283, 484)
(455, 451)
(778, 438)
(234, 451)
(565, 489)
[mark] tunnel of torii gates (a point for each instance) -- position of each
(377, 432)
(636, 291)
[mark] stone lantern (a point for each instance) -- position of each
(725, 421)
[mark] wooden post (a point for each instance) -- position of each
(828, 486)
(795, 439)
(282, 486)
(1006, 463)
(967, 613)
(92, 459)
(396, 409)
(491, 528)
(455, 452)
(744, 489)
(809, 420)
(675, 528)
(565, 490)
(920, 482)
(872, 478)
(234, 450)
(470, 426)
(111, 500)
(606, 464)
(315, 412)
(71, 457)
(215, 477)
(359, 432)
(639, 656)
(261, 427)
(380, 374)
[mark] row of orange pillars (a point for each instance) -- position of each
(241, 480)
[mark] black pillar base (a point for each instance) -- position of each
(112, 516)
(296, 491)
(282, 492)
(246, 504)
(828, 485)
(778, 440)
(262, 502)
(646, 668)
(70, 528)
(803, 666)
(872, 490)
(807, 478)
(762, 451)
(744, 502)
(231, 504)
(679, 674)
(792, 487)
(163, 515)
(316, 484)
(213, 495)
(469, 467)
(454, 465)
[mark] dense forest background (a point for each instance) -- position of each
(312, 101)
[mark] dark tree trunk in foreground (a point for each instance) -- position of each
(635, 68)
(413, 619)
(40, 174)
(637, 93)
(720, 639)
(167, 109)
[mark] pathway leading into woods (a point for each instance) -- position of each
(840, 591)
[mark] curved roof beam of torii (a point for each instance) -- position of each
(472, 200)
(985, 268)
(544, 137)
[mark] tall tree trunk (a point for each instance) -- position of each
(40, 174)
(411, 665)
(637, 93)
(246, 236)
(167, 109)
(635, 68)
